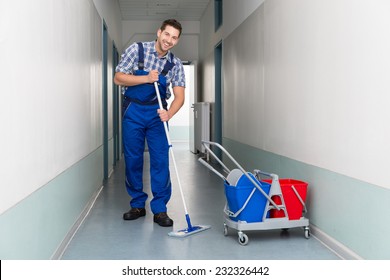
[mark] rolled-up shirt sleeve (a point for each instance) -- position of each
(128, 60)
(179, 79)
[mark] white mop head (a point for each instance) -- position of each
(188, 231)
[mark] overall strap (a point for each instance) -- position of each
(168, 66)
(140, 56)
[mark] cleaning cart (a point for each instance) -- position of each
(255, 203)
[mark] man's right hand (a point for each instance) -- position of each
(153, 76)
(123, 79)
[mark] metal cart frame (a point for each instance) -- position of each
(267, 223)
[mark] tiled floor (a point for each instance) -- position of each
(104, 235)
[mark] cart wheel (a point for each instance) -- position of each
(242, 238)
(225, 229)
(307, 232)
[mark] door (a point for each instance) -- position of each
(193, 99)
(218, 99)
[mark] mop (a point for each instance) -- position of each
(191, 229)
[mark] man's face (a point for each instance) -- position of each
(167, 38)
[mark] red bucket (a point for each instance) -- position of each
(294, 206)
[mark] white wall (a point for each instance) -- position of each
(325, 82)
(50, 84)
(110, 12)
(327, 66)
(234, 13)
(244, 102)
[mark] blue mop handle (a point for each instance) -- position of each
(188, 222)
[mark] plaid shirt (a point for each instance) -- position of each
(129, 64)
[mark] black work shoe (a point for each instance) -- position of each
(163, 220)
(134, 213)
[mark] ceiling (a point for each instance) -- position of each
(182, 10)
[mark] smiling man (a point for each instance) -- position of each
(142, 64)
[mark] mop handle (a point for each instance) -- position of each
(170, 148)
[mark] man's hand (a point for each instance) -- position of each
(153, 76)
(164, 116)
(129, 80)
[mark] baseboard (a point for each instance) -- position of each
(339, 249)
(68, 238)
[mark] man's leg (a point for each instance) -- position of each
(159, 172)
(134, 145)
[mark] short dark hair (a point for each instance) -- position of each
(171, 22)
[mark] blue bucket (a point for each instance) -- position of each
(237, 195)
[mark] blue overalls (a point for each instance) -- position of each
(141, 120)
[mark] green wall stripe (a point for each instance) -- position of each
(35, 227)
(353, 212)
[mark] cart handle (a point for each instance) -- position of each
(213, 154)
(273, 176)
(299, 198)
(202, 161)
(256, 184)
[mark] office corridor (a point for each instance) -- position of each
(104, 235)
